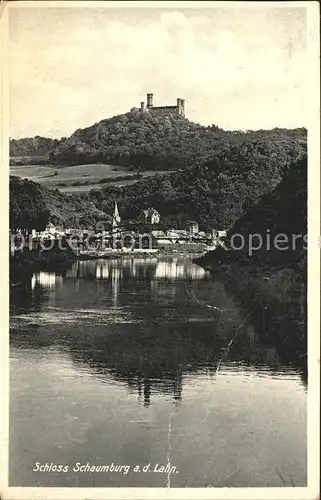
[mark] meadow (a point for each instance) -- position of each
(79, 178)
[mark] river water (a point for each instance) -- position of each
(144, 363)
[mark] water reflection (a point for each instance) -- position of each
(148, 334)
(115, 349)
(45, 279)
(169, 269)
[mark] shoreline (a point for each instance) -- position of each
(132, 255)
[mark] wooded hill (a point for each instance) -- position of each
(144, 141)
(215, 193)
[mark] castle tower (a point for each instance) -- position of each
(149, 101)
(180, 106)
(183, 106)
(142, 105)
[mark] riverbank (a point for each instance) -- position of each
(192, 251)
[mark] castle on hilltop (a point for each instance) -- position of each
(179, 109)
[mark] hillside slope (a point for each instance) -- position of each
(141, 140)
(280, 212)
(32, 205)
(216, 193)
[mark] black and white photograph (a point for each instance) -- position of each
(160, 337)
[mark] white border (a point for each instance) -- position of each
(311, 492)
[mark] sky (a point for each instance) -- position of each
(237, 68)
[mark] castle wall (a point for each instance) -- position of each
(179, 109)
(164, 110)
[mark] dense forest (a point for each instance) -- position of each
(215, 193)
(32, 146)
(143, 141)
(280, 212)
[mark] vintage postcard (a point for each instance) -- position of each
(160, 209)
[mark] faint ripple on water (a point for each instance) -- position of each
(65, 316)
(111, 315)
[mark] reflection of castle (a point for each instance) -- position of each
(145, 387)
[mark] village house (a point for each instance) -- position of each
(192, 227)
(151, 216)
(51, 231)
